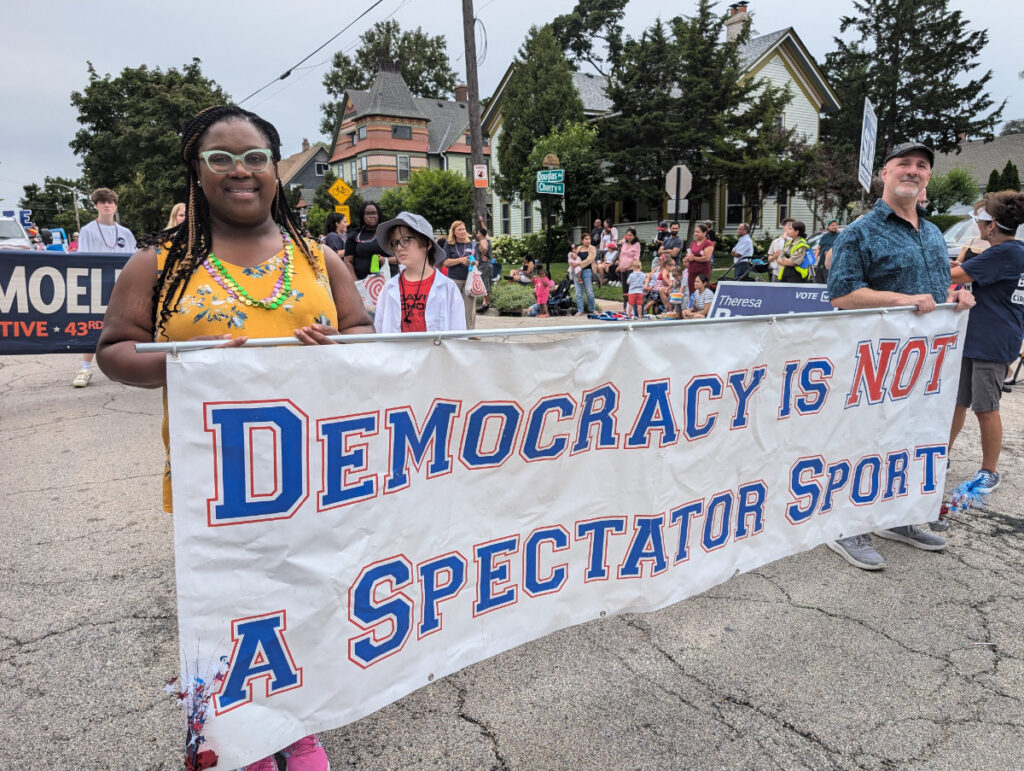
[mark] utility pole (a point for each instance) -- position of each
(475, 132)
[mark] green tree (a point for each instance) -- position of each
(53, 204)
(995, 182)
(590, 21)
(321, 196)
(575, 144)
(904, 59)
(1010, 178)
(441, 196)
(392, 201)
(422, 60)
(539, 97)
(316, 219)
(1015, 126)
(129, 140)
(947, 190)
(679, 96)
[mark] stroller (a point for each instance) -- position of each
(560, 302)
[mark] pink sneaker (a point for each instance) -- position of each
(307, 754)
(267, 764)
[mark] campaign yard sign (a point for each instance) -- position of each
(354, 522)
(752, 298)
(54, 302)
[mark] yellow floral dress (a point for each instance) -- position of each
(206, 308)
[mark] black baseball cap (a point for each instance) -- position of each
(908, 147)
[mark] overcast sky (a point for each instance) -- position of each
(244, 45)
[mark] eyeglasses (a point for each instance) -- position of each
(223, 162)
(405, 242)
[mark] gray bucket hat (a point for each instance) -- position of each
(415, 223)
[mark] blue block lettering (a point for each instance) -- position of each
(597, 531)
(435, 592)
(532, 581)
(532, 450)
(683, 515)
(929, 453)
(598, 410)
(648, 545)
(233, 424)
(722, 502)
(336, 460)
(510, 415)
(871, 466)
(410, 444)
(896, 465)
(655, 415)
(259, 652)
(805, 494)
(393, 614)
(751, 498)
(490, 572)
(743, 391)
(713, 385)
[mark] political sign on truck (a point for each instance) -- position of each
(54, 302)
(339, 548)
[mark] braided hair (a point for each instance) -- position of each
(189, 243)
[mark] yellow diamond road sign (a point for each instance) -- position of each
(340, 191)
(343, 210)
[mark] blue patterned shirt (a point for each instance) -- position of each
(884, 252)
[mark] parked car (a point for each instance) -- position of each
(13, 235)
(963, 233)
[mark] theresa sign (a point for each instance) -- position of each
(340, 547)
(54, 302)
(754, 298)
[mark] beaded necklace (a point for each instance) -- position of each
(282, 287)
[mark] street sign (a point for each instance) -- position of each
(550, 175)
(679, 207)
(551, 188)
(340, 191)
(343, 210)
(678, 182)
(868, 135)
(479, 175)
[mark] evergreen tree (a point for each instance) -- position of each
(1015, 126)
(905, 60)
(422, 60)
(540, 96)
(679, 96)
(1010, 178)
(995, 182)
(591, 21)
(129, 140)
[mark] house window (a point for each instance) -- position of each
(783, 205)
(364, 174)
(321, 169)
(734, 204)
(469, 140)
(352, 174)
(403, 168)
(506, 219)
(355, 138)
(401, 132)
(362, 132)
(528, 217)
(780, 121)
(469, 167)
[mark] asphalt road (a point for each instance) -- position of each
(806, 662)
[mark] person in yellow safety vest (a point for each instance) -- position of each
(796, 258)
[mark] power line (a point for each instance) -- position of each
(312, 53)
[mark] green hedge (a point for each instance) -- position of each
(944, 221)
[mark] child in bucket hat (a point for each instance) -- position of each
(419, 298)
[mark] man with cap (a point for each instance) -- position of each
(418, 298)
(892, 257)
(823, 258)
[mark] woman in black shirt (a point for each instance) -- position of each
(362, 245)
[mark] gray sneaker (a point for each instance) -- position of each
(914, 536)
(858, 551)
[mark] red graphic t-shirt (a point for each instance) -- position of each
(414, 303)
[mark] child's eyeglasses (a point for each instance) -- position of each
(405, 242)
(223, 162)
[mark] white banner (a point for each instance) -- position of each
(353, 522)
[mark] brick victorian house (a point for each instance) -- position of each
(386, 133)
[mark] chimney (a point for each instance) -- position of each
(737, 17)
(305, 145)
(462, 93)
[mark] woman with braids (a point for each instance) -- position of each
(361, 247)
(235, 268)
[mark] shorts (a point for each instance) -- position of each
(636, 298)
(981, 384)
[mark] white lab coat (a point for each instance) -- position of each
(445, 308)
